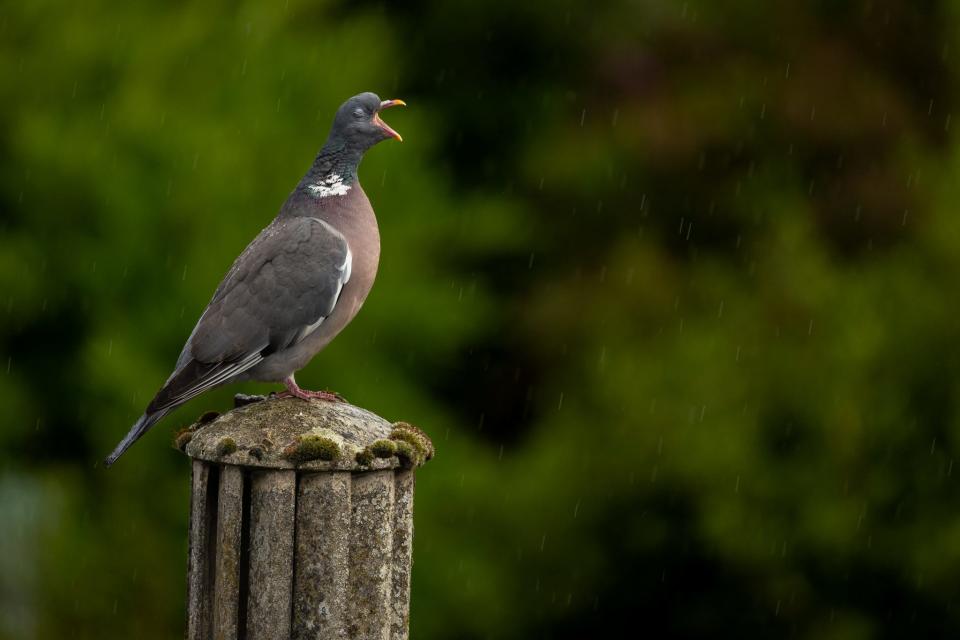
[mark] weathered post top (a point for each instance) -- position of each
(301, 521)
(309, 436)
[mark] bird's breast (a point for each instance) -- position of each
(353, 216)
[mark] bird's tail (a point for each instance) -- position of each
(139, 428)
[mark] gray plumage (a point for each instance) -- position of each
(296, 285)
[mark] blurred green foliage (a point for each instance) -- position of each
(672, 285)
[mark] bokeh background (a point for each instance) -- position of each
(672, 285)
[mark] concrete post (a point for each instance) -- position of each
(301, 523)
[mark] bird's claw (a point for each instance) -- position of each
(336, 396)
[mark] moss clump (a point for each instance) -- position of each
(406, 432)
(208, 417)
(408, 454)
(182, 438)
(226, 446)
(383, 448)
(365, 457)
(312, 447)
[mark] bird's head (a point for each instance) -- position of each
(358, 124)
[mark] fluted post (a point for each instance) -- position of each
(301, 522)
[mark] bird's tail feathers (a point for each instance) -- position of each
(139, 428)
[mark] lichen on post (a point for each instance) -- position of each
(302, 521)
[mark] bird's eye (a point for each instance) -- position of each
(358, 112)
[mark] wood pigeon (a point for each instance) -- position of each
(296, 286)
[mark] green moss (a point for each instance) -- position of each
(410, 431)
(383, 448)
(312, 447)
(365, 457)
(408, 454)
(208, 417)
(182, 438)
(406, 432)
(225, 447)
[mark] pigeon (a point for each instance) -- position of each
(296, 285)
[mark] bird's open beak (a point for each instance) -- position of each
(386, 104)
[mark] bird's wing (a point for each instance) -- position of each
(281, 288)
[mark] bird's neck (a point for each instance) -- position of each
(334, 171)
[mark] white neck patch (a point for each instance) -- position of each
(332, 185)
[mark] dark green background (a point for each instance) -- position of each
(672, 285)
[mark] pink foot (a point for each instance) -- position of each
(294, 391)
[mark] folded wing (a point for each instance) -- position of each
(281, 289)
